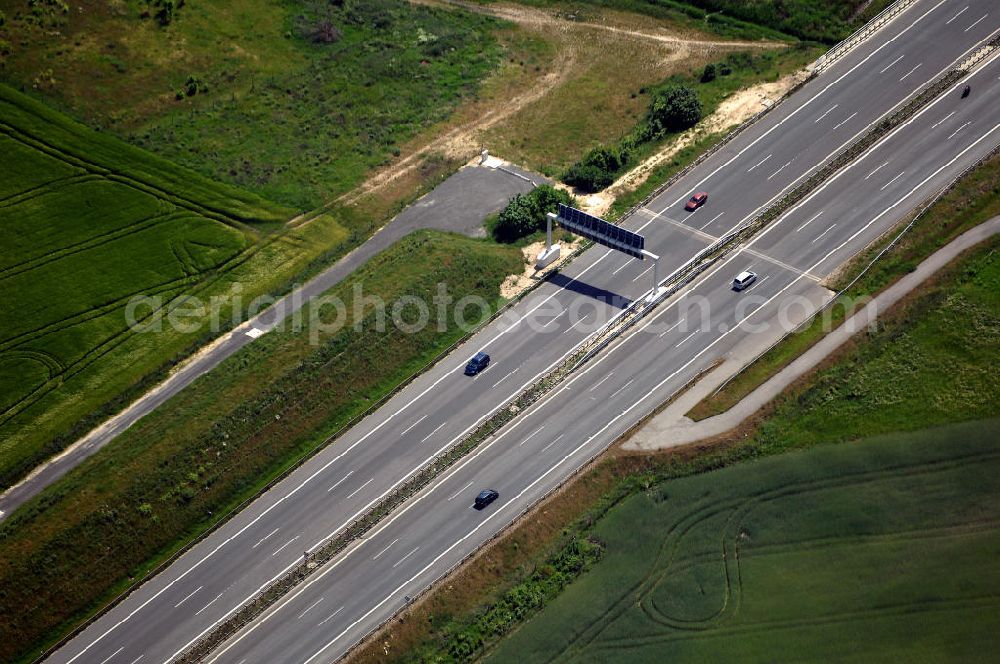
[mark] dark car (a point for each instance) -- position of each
(486, 497)
(477, 364)
(696, 201)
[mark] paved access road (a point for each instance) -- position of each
(215, 577)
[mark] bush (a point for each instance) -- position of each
(708, 74)
(525, 213)
(597, 170)
(674, 108)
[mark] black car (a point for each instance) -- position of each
(477, 364)
(486, 497)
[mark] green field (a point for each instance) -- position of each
(881, 550)
(178, 470)
(91, 222)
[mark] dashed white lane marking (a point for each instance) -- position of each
(782, 168)
(617, 270)
(959, 129)
(877, 169)
(686, 338)
(976, 23)
(826, 113)
(311, 606)
(340, 481)
(505, 377)
(892, 180)
(556, 317)
(963, 10)
(821, 235)
(137, 658)
(112, 655)
(435, 431)
(702, 227)
(639, 276)
(254, 333)
(845, 120)
(554, 441)
(886, 68)
(812, 219)
(356, 491)
(582, 320)
(671, 328)
(261, 540)
(911, 71)
(758, 283)
(758, 163)
(532, 435)
(209, 604)
(400, 561)
(376, 556)
(621, 389)
(610, 374)
(280, 548)
(188, 597)
(330, 617)
(934, 126)
(455, 495)
(407, 429)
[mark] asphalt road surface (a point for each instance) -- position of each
(556, 436)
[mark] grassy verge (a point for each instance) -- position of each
(928, 365)
(160, 483)
(972, 201)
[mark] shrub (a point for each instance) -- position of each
(597, 169)
(525, 213)
(708, 74)
(674, 108)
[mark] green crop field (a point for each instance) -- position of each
(90, 222)
(879, 550)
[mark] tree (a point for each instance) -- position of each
(597, 170)
(674, 108)
(525, 213)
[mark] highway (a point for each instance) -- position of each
(559, 434)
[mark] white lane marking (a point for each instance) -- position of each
(407, 429)
(758, 163)
(280, 548)
(821, 235)
(188, 597)
(137, 658)
(400, 561)
(956, 15)
(761, 280)
(112, 655)
(702, 227)
(670, 329)
(355, 492)
(208, 605)
(892, 180)
(311, 606)
(556, 317)
(934, 126)
(686, 338)
(582, 320)
(554, 441)
(959, 129)
(505, 377)
(625, 265)
(845, 120)
(532, 435)
(877, 169)
(621, 389)
(435, 430)
(340, 481)
(261, 540)
(376, 556)
(610, 374)
(809, 101)
(811, 219)
(886, 68)
(330, 617)
(911, 71)
(976, 23)
(640, 275)
(455, 495)
(828, 111)
(781, 169)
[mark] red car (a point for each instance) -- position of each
(696, 201)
